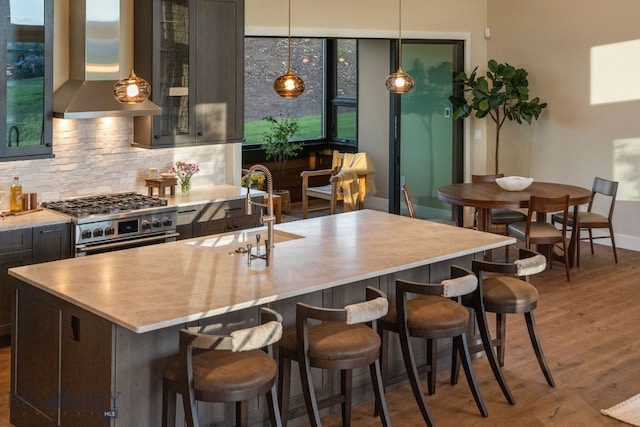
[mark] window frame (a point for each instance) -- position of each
(330, 100)
(45, 149)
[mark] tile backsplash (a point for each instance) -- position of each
(96, 157)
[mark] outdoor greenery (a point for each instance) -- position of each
(502, 94)
(25, 98)
(277, 144)
(308, 128)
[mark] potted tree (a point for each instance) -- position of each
(278, 147)
(502, 94)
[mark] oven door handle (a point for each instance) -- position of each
(123, 243)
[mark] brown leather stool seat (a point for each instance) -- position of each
(336, 342)
(507, 294)
(440, 315)
(219, 375)
(343, 341)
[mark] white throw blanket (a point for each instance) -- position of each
(353, 165)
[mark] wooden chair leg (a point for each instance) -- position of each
(378, 391)
(190, 412)
(309, 391)
(168, 405)
(455, 368)
(346, 382)
(501, 332)
(591, 240)
(460, 345)
(412, 373)
(242, 413)
(432, 362)
(483, 326)
(613, 244)
(383, 365)
(537, 348)
(274, 412)
(284, 387)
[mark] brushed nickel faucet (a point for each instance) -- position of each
(269, 218)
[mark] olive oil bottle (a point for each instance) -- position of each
(15, 195)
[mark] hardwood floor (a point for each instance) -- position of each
(589, 332)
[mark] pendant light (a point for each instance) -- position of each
(132, 90)
(289, 85)
(399, 82)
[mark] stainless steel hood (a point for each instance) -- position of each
(94, 68)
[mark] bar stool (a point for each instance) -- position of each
(433, 315)
(502, 291)
(341, 342)
(234, 368)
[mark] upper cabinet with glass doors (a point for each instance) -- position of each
(26, 86)
(191, 52)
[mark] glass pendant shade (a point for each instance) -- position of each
(132, 89)
(288, 85)
(399, 82)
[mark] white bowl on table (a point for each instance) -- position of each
(514, 183)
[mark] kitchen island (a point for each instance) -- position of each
(92, 335)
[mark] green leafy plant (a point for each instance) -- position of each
(502, 94)
(277, 144)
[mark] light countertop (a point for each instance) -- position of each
(152, 287)
(209, 194)
(32, 219)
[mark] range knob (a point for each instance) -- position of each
(166, 221)
(156, 223)
(86, 234)
(109, 230)
(146, 225)
(97, 232)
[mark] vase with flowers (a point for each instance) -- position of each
(184, 171)
(257, 181)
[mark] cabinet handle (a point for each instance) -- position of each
(200, 134)
(232, 209)
(51, 230)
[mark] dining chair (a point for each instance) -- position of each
(537, 231)
(590, 220)
(232, 368)
(504, 288)
(330, 190)
(346, 339)
(434, 312)
(499, 217)
(412, 211)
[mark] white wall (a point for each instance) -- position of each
(576, 138)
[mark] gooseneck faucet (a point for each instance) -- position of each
(269, 218)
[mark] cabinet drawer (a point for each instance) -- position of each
(15, 240)
(222, 210)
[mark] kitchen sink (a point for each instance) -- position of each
(242, 239)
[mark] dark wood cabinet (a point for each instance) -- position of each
(26, 246)
(192, 54)
(15, 250)
(216, 217)
(51, 242)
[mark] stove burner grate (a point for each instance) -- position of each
(104, 204)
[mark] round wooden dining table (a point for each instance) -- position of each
(488, 195)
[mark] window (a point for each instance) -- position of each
(326, 111)
(25, 43)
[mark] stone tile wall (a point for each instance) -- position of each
(95, 157)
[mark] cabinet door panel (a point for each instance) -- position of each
(51, 242)
(7, 261)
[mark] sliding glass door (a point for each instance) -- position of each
(426, 144)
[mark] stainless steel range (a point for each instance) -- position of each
(117, 221)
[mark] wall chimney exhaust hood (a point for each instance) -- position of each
(94, 69)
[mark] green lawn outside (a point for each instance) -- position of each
(25, 104)
(310, 128)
